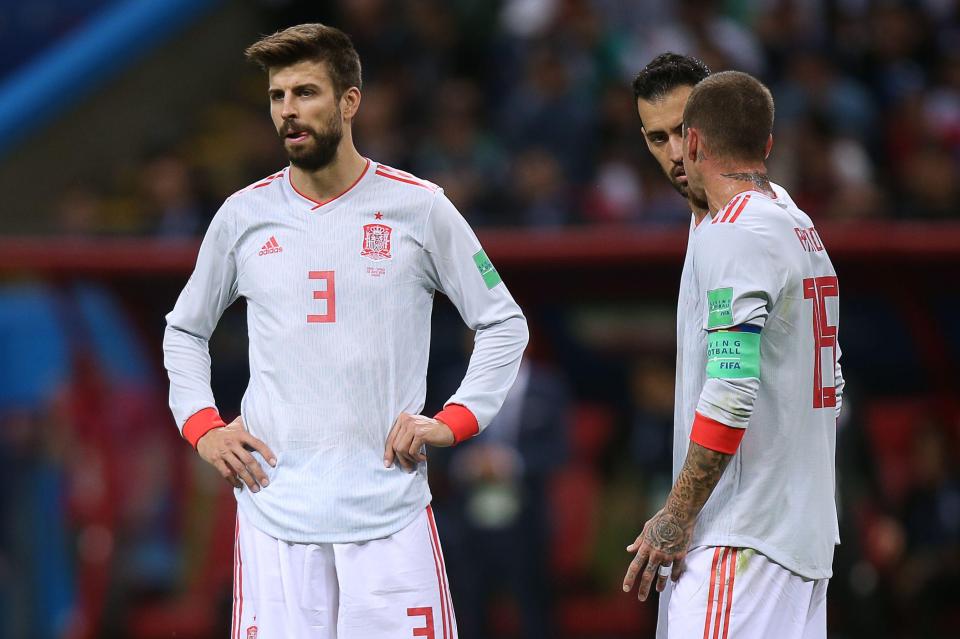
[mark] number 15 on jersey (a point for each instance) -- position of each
(818, 289)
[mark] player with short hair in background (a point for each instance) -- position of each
(338, 258)
(749, 527)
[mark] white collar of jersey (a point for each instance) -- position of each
(314, 204)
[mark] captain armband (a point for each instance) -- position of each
(734, 353)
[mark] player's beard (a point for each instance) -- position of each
(685, 191)
(324, 148)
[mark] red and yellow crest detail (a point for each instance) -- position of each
(376, 242)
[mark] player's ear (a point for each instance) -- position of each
(766, 152)
(691, 143)
(350, 103)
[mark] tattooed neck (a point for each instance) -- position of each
(759, 180)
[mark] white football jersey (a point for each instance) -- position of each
(760, 263)
(339, 297)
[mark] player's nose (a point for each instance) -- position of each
(675, 149)
(289, 110)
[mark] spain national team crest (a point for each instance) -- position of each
(376, 242)
(252, 632)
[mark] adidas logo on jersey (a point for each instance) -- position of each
(272, 246)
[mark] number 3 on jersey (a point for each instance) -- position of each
(329, 294)
(819, 289)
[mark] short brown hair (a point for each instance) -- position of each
(312, 41)
(734, 112)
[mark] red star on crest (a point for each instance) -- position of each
(378, 215)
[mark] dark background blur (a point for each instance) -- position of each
(125, 123)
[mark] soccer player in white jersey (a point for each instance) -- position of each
(749, 527)
(661, 90)
(338, 258)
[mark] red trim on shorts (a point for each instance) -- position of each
(201, 423)
(461, 421)
(436, 562)
(446, 601)
(726, 612)
(715, 435)
(240, 575)
(713, 583)
(720, 593)
(234, 623)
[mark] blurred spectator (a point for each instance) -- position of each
(173, 198)
(812, 85)
(616, 195)
(500, 488)
(930, 568)
(542, 196)
(79, 211)
(459, 155)
(549, 112)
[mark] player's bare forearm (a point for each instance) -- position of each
(701, 471)
(666, 537)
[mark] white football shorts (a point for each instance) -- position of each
(392, 587)
(737, 593)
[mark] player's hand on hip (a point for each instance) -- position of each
(228, 450)
(408, 436)
(660, 550)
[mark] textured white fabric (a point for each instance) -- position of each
(737, 593)
(339, 298)
(778, 493)
(379, 589)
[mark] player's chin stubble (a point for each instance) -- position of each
(322, 151)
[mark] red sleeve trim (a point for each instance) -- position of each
(200, 423)
(461, 421)
(715, 435)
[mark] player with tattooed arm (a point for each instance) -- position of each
(749, 527)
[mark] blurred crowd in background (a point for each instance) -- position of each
(522, 110)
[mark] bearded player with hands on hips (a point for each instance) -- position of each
(338, 258)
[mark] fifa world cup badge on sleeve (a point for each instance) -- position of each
(720, 305)
(489, 273)
(376, 242)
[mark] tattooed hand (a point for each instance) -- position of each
(663, 542)
(666, 537)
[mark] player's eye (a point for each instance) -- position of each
(303, 93)
(276, 96)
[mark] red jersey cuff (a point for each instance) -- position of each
(461, 421)
(200, 423)
(715, 435)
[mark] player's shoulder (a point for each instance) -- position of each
(406, 184)
(268, 186)
(783, 196)
(753, 212)
(749, 222)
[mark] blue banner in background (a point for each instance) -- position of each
(87, 57)
(27, 29)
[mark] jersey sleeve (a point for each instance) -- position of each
(458, 267)
(210, 290)
(738, 275)
(740, 282)
(839, 382)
